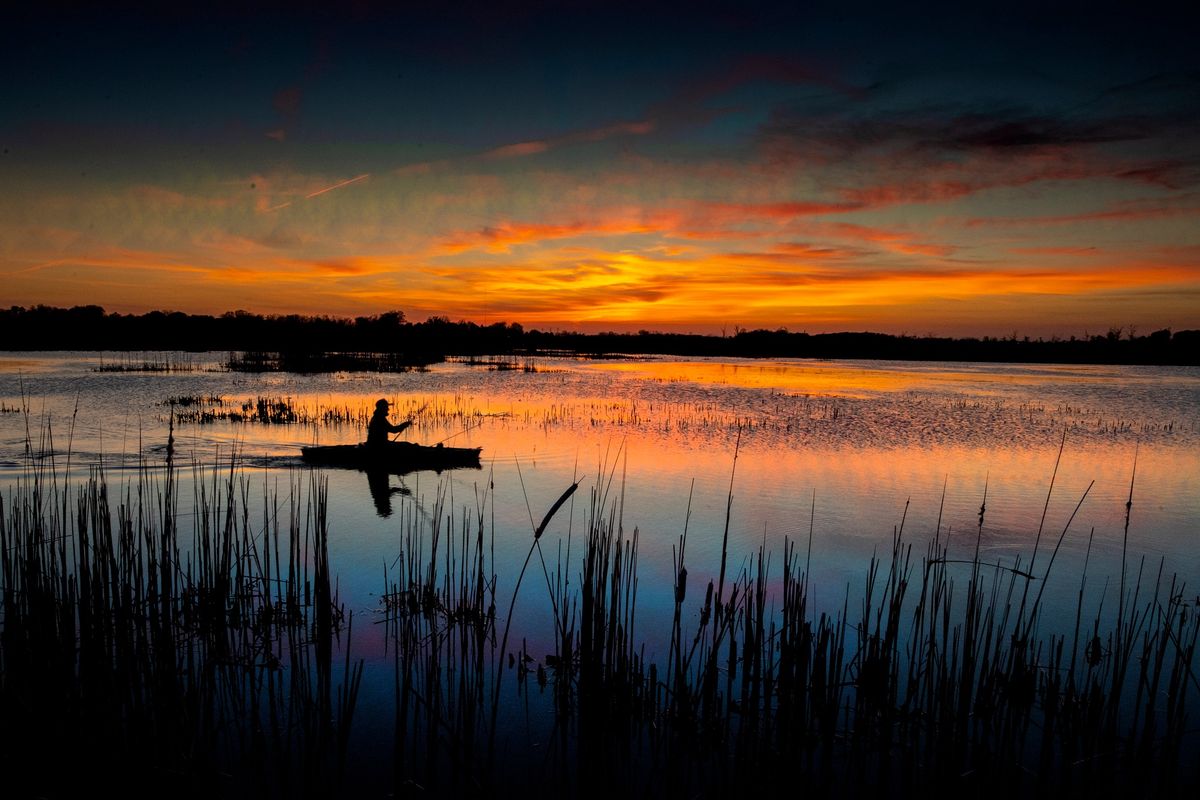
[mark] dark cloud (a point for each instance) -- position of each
(287, 101)
(1010, 132)
(945, 128)
(944, 150)
(1173, 95)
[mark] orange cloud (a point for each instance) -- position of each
(340, 268)
(501, 238)
(702, 221)
(518, 149)
(909, 179)
(1127, 213)
(807, 250)
(783, 211)
(1055, 251)
(794, 283)
(597, 288)
(574, 137)
(532, 147)
(698, 220)
(643, 244)
(894, 241)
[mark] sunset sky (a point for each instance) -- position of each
(613, 166)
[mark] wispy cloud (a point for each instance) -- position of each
(936, 154)
(535, 147)
(1132, 211)
(704, 220)
(532, 147)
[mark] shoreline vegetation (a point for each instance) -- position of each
(389, 342)
(215, 657)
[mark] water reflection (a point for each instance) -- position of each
(379, 478)
(866, 436)
(379, 482)
(843, 452)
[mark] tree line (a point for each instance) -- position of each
(92, 328)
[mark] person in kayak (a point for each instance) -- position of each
(379, 429)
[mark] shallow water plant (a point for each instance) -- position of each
(214, 652)
(932, 685)
(144, 657)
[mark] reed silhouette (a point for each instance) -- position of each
(929, 686)
(218, 663)
(140, 657)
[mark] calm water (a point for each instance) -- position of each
(848, 449)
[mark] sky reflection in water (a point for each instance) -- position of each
(848, 448)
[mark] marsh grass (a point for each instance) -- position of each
(215, 660)
(944, 674)
(141, 657)
(260, 410)
(500, 363)
(768, 419)
(164, 362)
(189, 400)
(436, 412)
(320, 362)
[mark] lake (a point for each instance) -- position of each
(832, 456)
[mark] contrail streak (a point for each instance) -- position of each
(347, 182)
(39, 267)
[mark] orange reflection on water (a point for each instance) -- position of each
(829, 378)
(19, 365)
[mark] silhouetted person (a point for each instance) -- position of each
(379, 429)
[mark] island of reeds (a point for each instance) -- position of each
(150, 652)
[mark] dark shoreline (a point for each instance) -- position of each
(416, 344)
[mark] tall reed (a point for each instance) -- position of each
(138, 657)
(216, 660)
(944, 677)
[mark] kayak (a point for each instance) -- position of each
(396, 458)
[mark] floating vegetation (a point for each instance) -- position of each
(202, 410)
(261, 410)
(1077, 419)
(699, 415)
(152, 362)
(318, 362)
(135, 655)
(205, 410)
(500, 363)
(187, 401)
